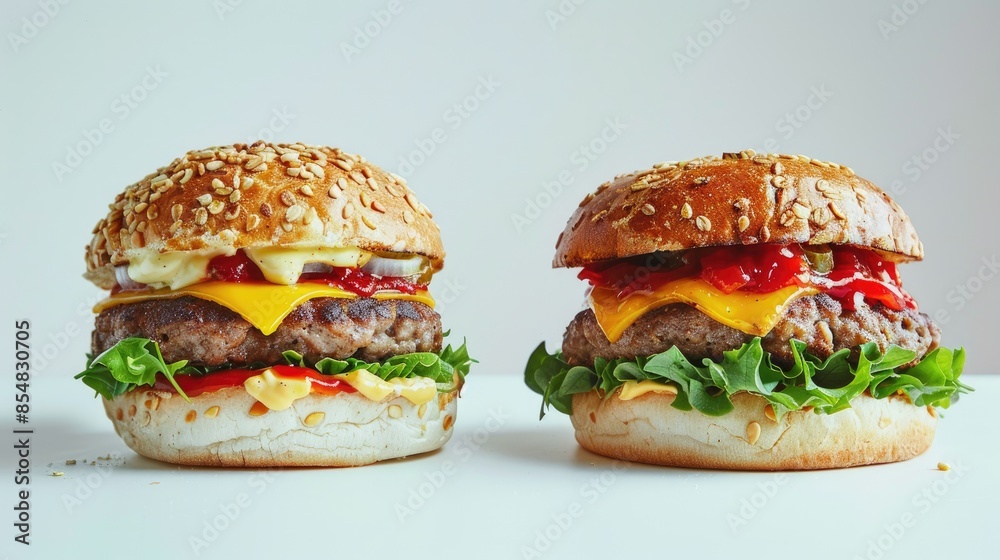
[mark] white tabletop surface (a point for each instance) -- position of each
(506, 486)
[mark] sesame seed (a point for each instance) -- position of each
(216, 207)
(366, 172)
(777, 168)
(287, 198)
(287, 226)
(408, 217)
(640, 186)
(743, 223)
(366, 200)
(234, 213)
(820, 216)
(779, 181)
(411, 199)
(265, 210)
(306, 190)
(765, 234)
(837, 211)
(252, 222)
(800, 210)
(187, 175)
(943, 467)
(200, 216)
(289, 156)
(152, 212)
(309, 216)
(141, 207)
(345, 165)
(314, 419)
(377, 206)
(787, 219)
(217, 184)
(648, 209)
(235, 196)
(176, 211)
(293, 171)
(686, 211)
(753, 432)
(357, 177)
(701, 180)
(392, 190)
(703, 223)
(367, 221)
(253, 162)
(214, 165)
(293, 213)
(316, 170)
(348, 211)
(247, 183)
(335, 191)
(204, 199)
(137, 239)
(305, 174)
(372, 184)
(769, 413)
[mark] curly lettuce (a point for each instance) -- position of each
(135, 362)
(825, 385)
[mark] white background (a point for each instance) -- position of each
(580, 91)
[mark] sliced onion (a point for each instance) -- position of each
(125, 281)
(401, 268)
(319, 267)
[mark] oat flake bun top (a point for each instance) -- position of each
(740, 198)
(263, 195)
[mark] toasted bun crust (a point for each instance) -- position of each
(741, 198)
(263, 195)
(346, 429)
(648, 430)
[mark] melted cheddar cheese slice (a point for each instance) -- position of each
(751, 313)
(265, 306)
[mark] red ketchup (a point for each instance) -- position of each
(240, 269)
(764, 268)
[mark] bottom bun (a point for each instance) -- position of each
(218, 429)
(648, 430)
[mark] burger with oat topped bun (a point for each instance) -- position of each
(745, 312)
(268, 306)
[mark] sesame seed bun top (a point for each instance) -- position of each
(263, 195)
(740, 198)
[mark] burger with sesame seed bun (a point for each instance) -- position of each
(745, 312)
(268, 306)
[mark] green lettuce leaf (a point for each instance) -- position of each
(135, 362)
(826, 385)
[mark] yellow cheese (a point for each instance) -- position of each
(417, 390)
(277, 392)
(633, 389)
(748, 312)
(265, 306)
